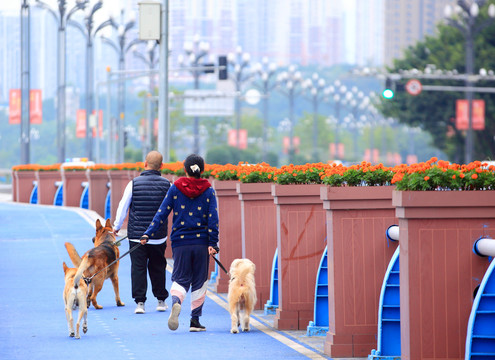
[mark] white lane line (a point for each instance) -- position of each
(115, 337)
(258, 325)
(274, 334)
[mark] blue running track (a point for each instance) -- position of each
(32, 318)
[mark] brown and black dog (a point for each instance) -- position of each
(75, 298)
(96, 259)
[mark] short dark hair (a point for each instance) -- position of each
(194, 171)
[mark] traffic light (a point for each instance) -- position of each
(388, 92)
(222, 71)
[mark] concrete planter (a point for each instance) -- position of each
(438, 269)
(259, 233)
(46, 186)
(24, 185)
(118, 181)
(14, 185)
(230, 243)
(301, 233)
(358, 255)
(98, 189)
(73, 186)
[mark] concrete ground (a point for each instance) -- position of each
(32, 319)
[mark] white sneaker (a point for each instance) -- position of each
(139, 308)
(173, 320)
(162, 306)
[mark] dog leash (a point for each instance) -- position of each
(219, 264)
(118, 241)
(88, 280)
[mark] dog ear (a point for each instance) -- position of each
(65, 267)
(98, 224)
(108, 224)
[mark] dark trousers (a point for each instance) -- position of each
(191, 271)
(148, 259)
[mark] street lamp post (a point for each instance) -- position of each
(90, 33)
(122, 47)
(196, 52)
(62, 17)
(266, 72)
(25, 80)
(292, 79)
(317, 89)
(151, 60)
(337, 91)
(240, 62)
(465, 21)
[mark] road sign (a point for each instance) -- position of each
(414, 87)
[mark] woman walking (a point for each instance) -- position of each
(194, 237)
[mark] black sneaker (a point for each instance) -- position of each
(196, 326)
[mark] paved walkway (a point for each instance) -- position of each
(32, 318)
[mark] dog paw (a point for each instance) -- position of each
(85, 329)
(72, 334)
(246, 329)
(120, 303)
(78, 337)
(234, 331)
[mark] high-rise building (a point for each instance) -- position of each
(369, 32)
(407, 21)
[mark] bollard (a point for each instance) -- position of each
(480, 337)
(388, 341)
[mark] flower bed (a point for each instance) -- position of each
(431, 175)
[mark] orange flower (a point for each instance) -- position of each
(453, 176)
(427, 178)
(474, 176)
(461, 175)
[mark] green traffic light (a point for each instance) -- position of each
(388, 94)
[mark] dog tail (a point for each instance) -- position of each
(244, 270)
(80, 270)
(74, 256)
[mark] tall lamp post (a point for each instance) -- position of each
(292, 80)
(317, 90)
(122, 47)
(90, 33)
(240, 62)
(151, 60)
(337, 91)
(62, 17)
(465, 17)
(196, 51)
(266, 72)
(25, 80)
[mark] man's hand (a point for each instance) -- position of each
(116, 231)
(144, 239)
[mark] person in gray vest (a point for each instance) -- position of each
(142, 198)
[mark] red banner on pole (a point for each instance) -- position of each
(232, 138)
(14, 106)
(296, 141)
(35, 107)
(100, 125)
(81, 123)
(462, 114)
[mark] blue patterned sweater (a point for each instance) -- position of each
(195, 213)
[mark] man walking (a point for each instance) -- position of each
(142, 198)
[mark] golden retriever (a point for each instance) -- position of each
(242, 293)
(75, 297)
